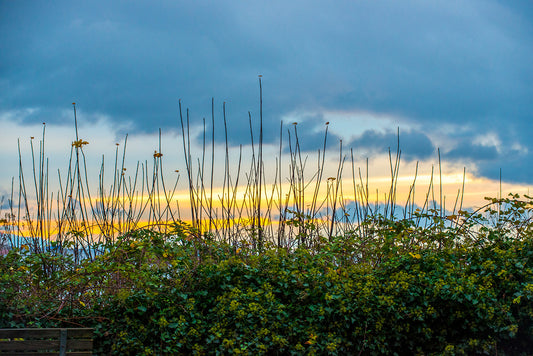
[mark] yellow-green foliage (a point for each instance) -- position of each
(150, 293)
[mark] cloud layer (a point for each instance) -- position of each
(449, 72)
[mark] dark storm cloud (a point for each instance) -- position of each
(515, 168)
(432, 62)
(514, 160)
(473, 152)
(414, 145)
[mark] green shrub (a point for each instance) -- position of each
(166, 294)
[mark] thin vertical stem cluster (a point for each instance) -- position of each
(301, 206)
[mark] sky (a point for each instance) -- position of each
(452, 75)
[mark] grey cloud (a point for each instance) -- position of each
(515, 168)
(472, 152)
(414, 145)
(311, 134)
(432, 62)
(515, 163)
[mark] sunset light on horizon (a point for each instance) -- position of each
(453, 79)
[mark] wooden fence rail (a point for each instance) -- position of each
(35, 341)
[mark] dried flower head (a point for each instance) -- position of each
(79, 143)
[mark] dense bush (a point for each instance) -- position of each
(406, 290)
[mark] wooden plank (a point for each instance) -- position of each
(72, 345)
(27, 353)
(28, 345)
(79, 344)
(79, 333)
(35, 333)
(63, 343)
(29, 333)
(44, 341)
